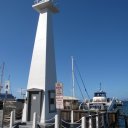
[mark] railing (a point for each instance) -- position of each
(52, 5)
(75, 119)
(38, 1)
(92, 119)
(112, 103)
(8, 107)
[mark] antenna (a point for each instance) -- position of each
(22, 92)
(73, 83)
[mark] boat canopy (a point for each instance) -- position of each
(100, 94)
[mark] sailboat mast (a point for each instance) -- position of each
(1, 79)
(73, 82)
(100, 86)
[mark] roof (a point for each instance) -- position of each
(6, 96)
(69, 98)
(100, 91)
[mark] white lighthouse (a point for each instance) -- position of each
(42, 75)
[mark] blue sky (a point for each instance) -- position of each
(95, 32)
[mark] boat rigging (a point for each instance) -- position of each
(75, 66)
(78, 71)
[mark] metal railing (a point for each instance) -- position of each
(38, 1)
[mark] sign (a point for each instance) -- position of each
(59, 96)
(59, 102)
(59, 89)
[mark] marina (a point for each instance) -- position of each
(44, 104)
(71, 118)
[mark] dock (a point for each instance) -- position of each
(69, 119)
(100, 119)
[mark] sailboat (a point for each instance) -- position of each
(6, 94)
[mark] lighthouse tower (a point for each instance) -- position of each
(42, 75)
